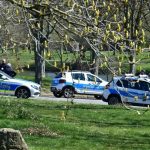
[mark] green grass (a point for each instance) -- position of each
(85, 127)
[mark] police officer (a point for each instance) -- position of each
(7, 68)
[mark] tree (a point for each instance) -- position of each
(146, 21)
(99, 23)
(133, 14)
(13, 33)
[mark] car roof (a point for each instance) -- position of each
(74, 71)
(132, 78)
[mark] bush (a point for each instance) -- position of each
(16, 110)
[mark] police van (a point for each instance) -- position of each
(77, 82)
(128, 88)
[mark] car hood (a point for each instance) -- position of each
(23, 82)
(105, 82)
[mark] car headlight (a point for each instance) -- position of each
(35, 87)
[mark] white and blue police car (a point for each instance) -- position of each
(77, 82)
(18, 87)
(128, 89)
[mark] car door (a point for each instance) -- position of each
(134, 92)
(128, 90)
(79, 82)
(144, 92)
(4, 85)
(94, 84)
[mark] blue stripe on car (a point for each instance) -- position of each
(128, 94)
(8, 86)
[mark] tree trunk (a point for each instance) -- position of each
(39, 52)
(132, 65)
(96, 65)
(38, 63)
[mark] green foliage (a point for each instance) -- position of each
(85, 126)
(16, 110)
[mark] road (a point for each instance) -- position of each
(77, 99)
(83, 100)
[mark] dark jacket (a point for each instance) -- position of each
(7, 69)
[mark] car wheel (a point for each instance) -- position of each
(57, 94)
(98, 96)
(68, 92)
(114, 100)
(23, 93)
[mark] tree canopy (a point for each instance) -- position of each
(102, 25)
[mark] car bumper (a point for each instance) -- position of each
(35, 93)
(104, 99)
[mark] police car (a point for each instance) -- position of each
(128, 88)
(17, 87)
(80, 82)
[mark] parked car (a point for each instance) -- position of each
(80, 82)
(128, 89)
(18, 87)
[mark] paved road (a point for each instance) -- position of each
(77, 99)
(83, 100)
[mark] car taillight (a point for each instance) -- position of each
(107, 86)
(62, 81)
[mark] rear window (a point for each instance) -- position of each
(60, 75)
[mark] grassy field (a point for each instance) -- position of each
(66, 126)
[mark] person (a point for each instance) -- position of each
(143, 74)
(7, 68)
(3, 65)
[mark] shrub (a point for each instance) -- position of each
(17, 110)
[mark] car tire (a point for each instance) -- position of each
(57, 94)
(23, 93)
(98, 96)
(68, 92)
(113, 100)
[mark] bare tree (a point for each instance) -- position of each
(99, 23)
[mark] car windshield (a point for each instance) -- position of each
(92, 78)
(60, 75)
(4, 75)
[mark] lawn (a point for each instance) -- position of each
(69, 126)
